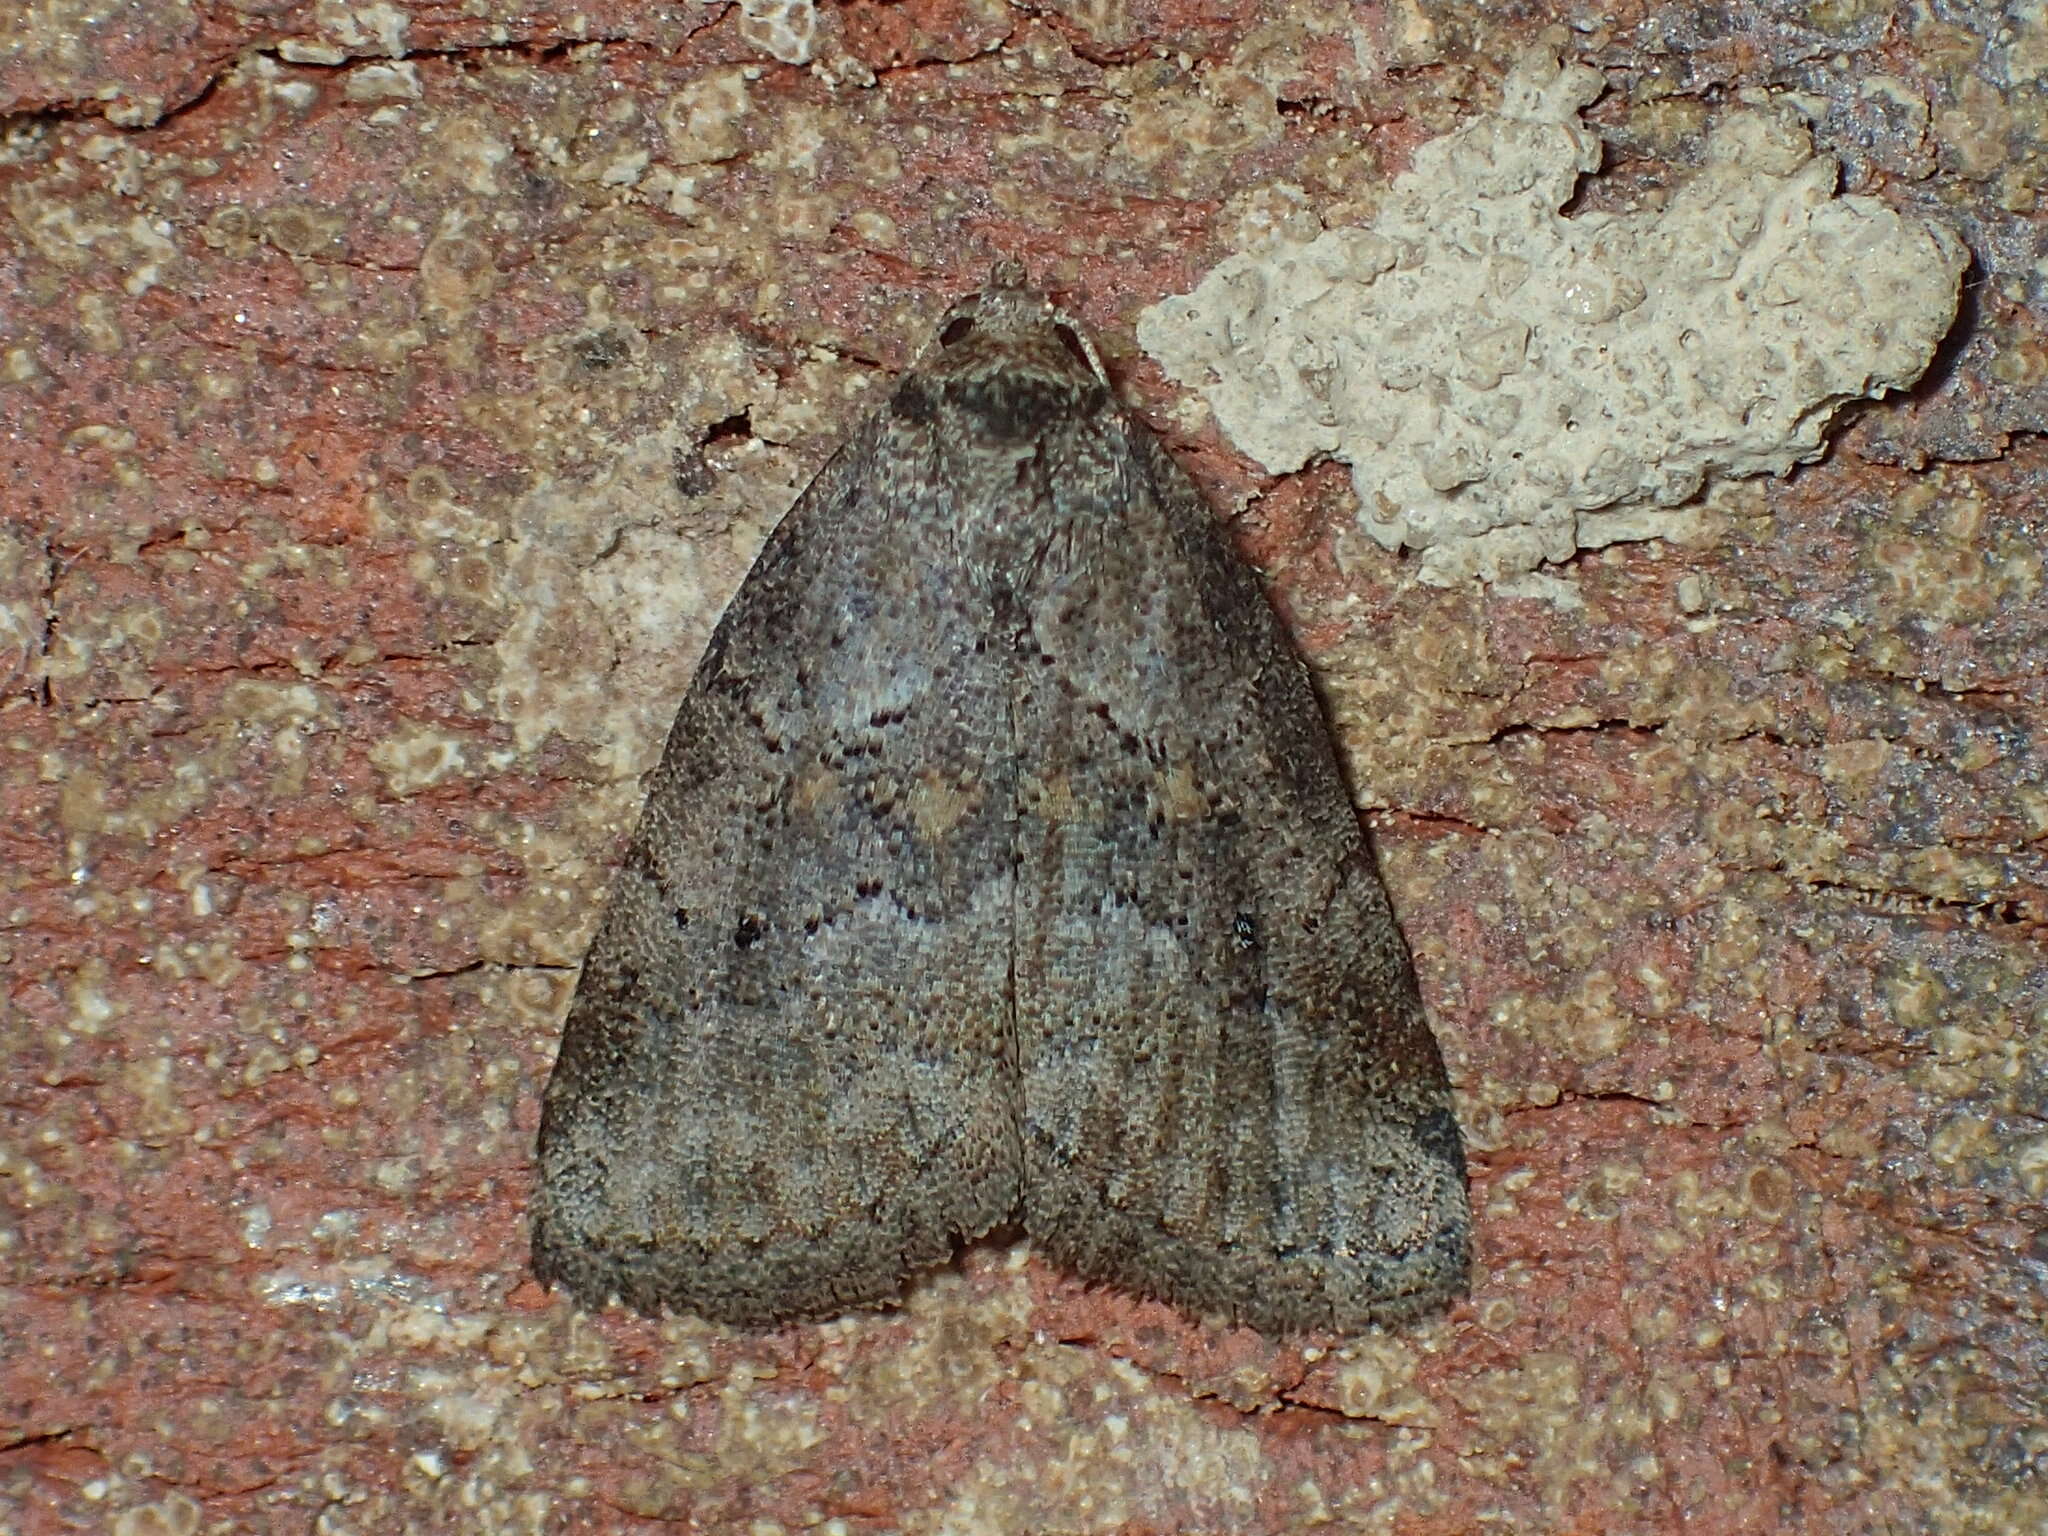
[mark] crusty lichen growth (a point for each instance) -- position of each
(1510, 385)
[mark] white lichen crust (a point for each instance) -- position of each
(1510, 385)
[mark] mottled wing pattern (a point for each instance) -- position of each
(1232, 1099)
(786, 1080)
(1000, 856)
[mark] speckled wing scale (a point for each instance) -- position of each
(999, 865)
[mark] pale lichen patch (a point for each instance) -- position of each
(1510, 385)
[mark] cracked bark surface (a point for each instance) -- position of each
(389, 400)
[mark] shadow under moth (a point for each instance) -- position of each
(999, 869)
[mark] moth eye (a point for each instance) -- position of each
(957, 329)
(1074, 344)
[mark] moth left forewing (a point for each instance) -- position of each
(1231, 1097)
(785, 1079)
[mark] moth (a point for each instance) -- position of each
(999, 870)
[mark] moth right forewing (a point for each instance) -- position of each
(1232, 1097)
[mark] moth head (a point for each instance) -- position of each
(1012, 327)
